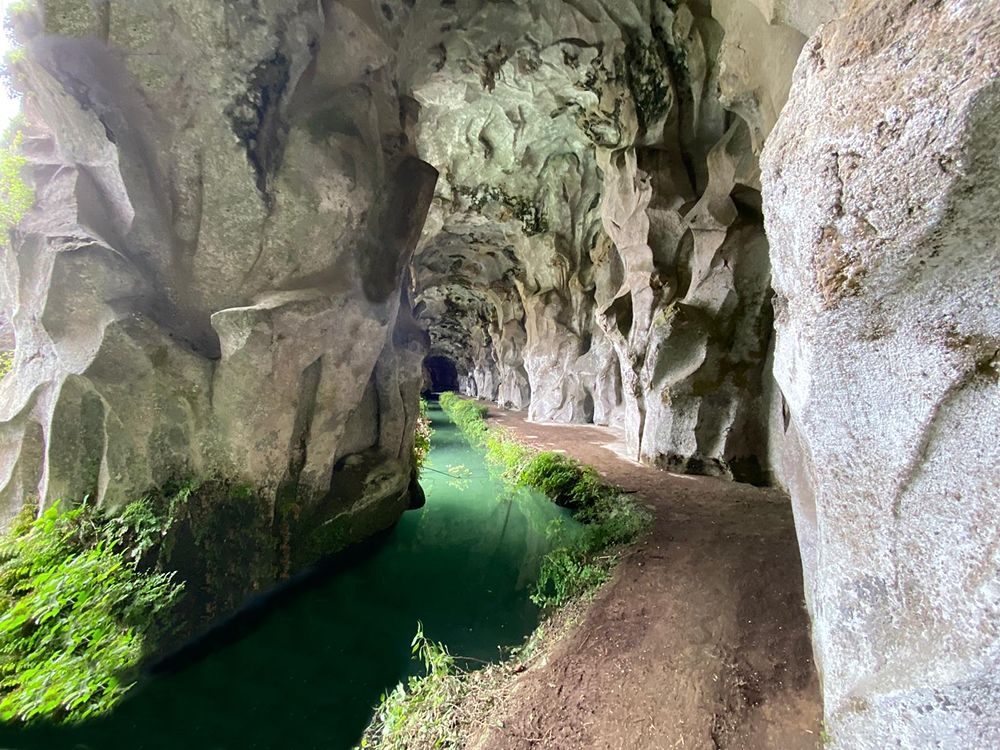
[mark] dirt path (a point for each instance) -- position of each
(700, 641)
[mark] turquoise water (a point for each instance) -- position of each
(304, 672)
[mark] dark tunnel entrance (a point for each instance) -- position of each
(440, 375)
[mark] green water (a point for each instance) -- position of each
(307, 671)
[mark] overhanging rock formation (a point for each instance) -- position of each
(600, 200)
(256, 218)
(208, 290)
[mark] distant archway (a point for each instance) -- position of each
(441, 374)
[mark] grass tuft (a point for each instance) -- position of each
(580, 562)
(420, 714)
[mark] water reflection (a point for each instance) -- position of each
(310, 668)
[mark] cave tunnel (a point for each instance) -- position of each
(297, 216)
(441, 375)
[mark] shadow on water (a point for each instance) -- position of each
(303, 667)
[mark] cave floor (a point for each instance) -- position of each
(701, 640)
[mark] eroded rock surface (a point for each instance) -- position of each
(209, 287)
(256, 218)
(881, 185)
(599, 200)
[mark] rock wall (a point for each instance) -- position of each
(599, 197)
(241, 254)
(209, 288)
(881, 183)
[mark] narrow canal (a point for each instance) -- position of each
(306, 675)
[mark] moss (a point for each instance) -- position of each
(310, 528)
(217, 535)
(16, 196)
(522, 209)
(76, 18)
(648, 82)
(330, 536)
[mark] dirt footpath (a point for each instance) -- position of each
(700, 641)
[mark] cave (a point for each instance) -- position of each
(749, 239)
(442, 375)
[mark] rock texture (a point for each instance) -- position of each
(595, 251)
(209, 287)
(881, 185)
(258, 218)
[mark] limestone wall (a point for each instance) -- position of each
(209, 287)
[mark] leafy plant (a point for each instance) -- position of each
(16, 196)
(466, 414)
(566, 573)
(76, 610)
(6, 362)
(503, 451)
(422, 437)
(562, 479)
(418, 714)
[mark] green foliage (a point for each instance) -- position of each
(6, 362)
(566, 573)
(76, 610)
(468, 415)
(422, 437)
(16, 196)
(419, 713)
(20, 6)
(567, 482)
(503, 451)
(136, 530)
(583, 561)
(448, 400)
